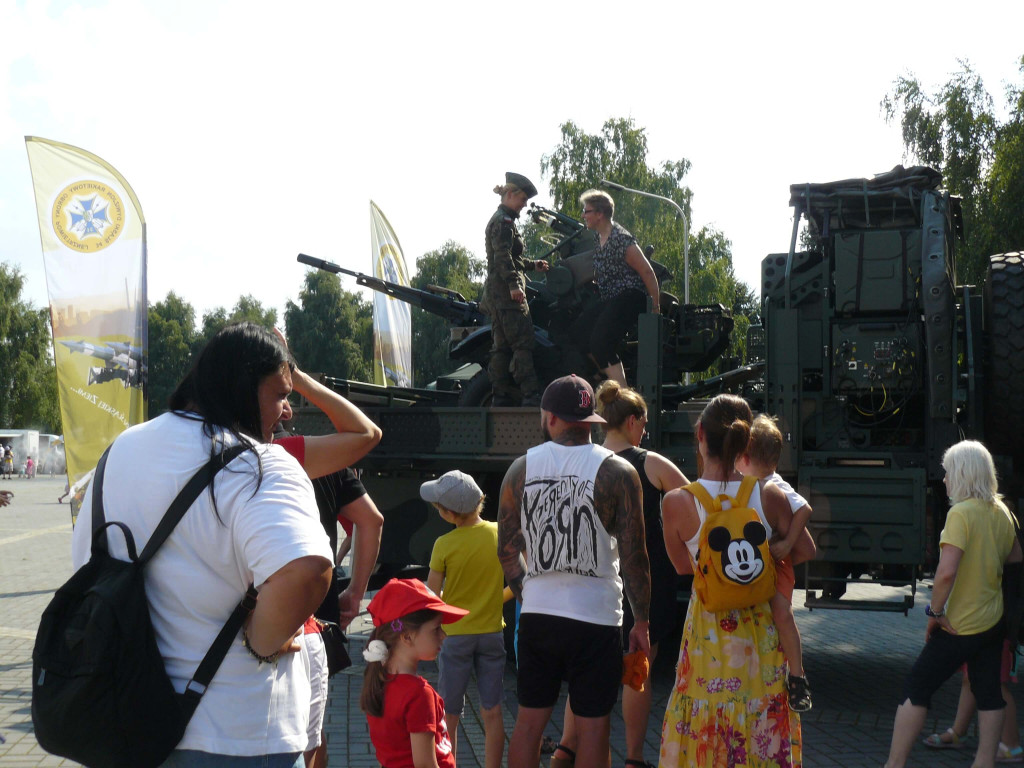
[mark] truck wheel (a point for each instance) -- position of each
(1004, 324)
(477, 393)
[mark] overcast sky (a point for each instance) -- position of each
(252, 131)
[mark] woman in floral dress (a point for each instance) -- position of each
(729, 706)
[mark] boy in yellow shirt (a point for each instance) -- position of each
(465, 563)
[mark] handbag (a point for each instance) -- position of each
(335, 645)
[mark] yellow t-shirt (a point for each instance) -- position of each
(473, 579)
(985, 533)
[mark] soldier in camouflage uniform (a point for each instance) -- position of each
(511, 365)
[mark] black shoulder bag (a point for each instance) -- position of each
(100, 692)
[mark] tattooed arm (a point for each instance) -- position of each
(618, 499)
(511, 544)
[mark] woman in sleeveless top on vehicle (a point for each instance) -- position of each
(729, 703)
(626, 413)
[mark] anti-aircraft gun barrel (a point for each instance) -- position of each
(460, 313)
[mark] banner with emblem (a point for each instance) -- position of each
(94, 253)
(392, 323)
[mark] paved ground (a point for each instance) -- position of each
(856, 662)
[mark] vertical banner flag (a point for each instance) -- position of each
(392, 324)
(94, 252)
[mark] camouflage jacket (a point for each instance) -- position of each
(505, 262)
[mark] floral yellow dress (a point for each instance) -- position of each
(729, 706)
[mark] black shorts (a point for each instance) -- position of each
(944, 654)
(587, 656)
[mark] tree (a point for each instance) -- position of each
(450, 266)
(246, 309)
(619, 153)
(172, 336)
(955, 131)
(331, 330)
(28, 378)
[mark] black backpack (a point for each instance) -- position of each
(100, 693)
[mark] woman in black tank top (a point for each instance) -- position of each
(626, 413)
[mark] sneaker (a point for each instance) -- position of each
(799, 694)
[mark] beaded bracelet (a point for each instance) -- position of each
(252, 652)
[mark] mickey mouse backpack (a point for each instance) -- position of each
(734, 568)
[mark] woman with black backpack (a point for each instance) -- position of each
(256, 523)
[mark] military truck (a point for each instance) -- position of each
(870, 354)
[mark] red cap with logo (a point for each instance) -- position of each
(400, 597)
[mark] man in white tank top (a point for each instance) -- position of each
(573, 510)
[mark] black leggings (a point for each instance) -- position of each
(603, 326)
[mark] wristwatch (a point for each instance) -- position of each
(935, 615)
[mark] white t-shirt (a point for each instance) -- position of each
(796, 501)
(203, 569)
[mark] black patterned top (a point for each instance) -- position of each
(611, 272)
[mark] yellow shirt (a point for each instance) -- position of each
(985, 533)
(473, 579)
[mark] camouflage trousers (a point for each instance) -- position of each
(511, 364)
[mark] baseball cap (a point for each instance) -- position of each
(570, 398)
(453, 490)
(400, 597)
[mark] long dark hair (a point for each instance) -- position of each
(375, 676)
(726, 421)
(223, 385)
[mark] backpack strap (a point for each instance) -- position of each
(184, 500)
(746, 489)
(196, 687)
(700, 493)
(99, 521)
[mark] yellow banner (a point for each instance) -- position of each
(392, 324)
(94, 251)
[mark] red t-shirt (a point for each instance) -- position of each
(296, 446)
(410, 706)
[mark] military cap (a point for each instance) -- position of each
(522, 182)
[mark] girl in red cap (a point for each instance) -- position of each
(405, 714)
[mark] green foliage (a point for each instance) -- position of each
(619, 154)
(172, 337)
(331, 330)
(28, 378)
(955, 131)
(450, 266)
(246, 309)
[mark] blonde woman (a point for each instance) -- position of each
(966, 608)
(624, 278)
